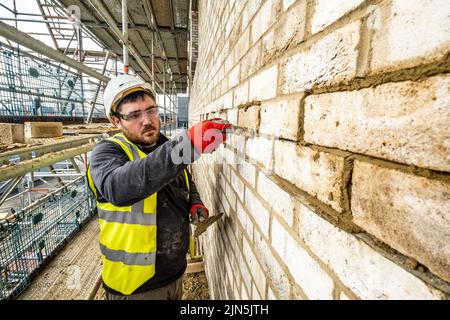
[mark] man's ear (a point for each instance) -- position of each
(117, 122)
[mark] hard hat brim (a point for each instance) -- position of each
(125, 93)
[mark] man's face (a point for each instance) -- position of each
(145, 129)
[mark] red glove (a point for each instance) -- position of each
(198, 213)
(207, 135)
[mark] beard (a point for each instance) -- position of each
(147, 137)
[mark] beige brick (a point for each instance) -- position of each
(268, 47)
(225, 292)
(255, 269)
(250, 11)
(226, 171)
(288, 32)
(410, 213)
(224, 88)
(279, 200)
(233, 242)
(329, 61)
(270, 295)
(275, 274)
(237, 141)
(257, 210)
(218, 156)
(244, 291)
(255, 293)
(363, 270)
(263, 86)
(316, 283)
(227, 100)
(326, 12)
(234, 158)
(287, 4)
(316, 172)
(409, 33)
(42, 130)
(232, 116)
(241, 94)
(249, 117)
(237, 7)
(343, 296)
(263, 20)
(11, 133)
(237, 183)
(231, 23)
(281, 119)
(233, 77)
(221, 180)
(248, 172)
(245, 273)
(236, 292)
(228, 267)
(225, 205)
(387, 121)
(231, 196)
(244, 219)
(251, 62)
(242, 45)
(297, 294)
(229, 62)
(261, 150)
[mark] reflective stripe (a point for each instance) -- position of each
(91, 182)
(106, 206)
(137, 259)
(138, 207)
(145, 219)
(191, 245)
(124, 147)
(130, 144)
(133, 149)
(187, 180)
(128, 237)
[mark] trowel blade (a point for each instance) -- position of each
(203, 225)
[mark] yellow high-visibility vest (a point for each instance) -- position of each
(128, 233)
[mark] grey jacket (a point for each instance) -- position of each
(123, 182)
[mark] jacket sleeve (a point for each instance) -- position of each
(123, 182)
(194, 196)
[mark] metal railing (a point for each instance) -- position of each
(38, 231)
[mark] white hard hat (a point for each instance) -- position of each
(121, 86)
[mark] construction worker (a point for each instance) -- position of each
(145, 196)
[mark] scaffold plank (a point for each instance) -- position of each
(74, 273)
(13, 170)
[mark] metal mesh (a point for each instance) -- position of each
(37, 234)
(31, 86)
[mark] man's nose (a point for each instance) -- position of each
(147, 119)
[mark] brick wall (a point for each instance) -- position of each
(340, 187)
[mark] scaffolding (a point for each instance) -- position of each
(38, 231)
(70, 36)
(35, 87)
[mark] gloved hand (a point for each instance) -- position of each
(198, 213)
(207, 135)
